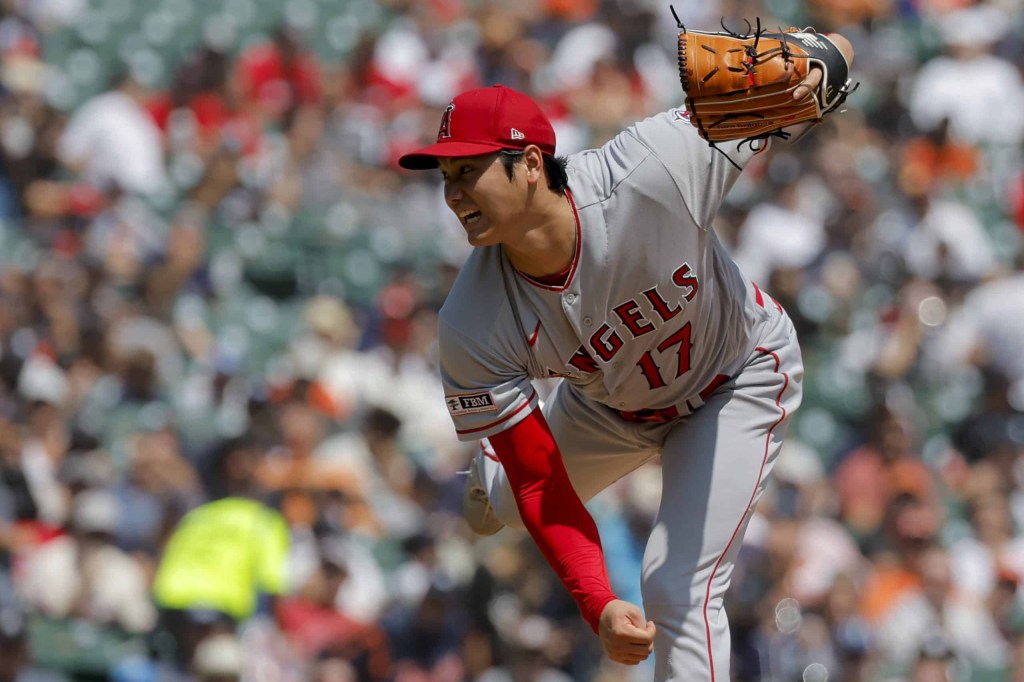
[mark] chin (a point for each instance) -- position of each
(484, 238)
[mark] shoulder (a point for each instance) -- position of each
(479, 340)
(661, 158)
(598, 172)
(642, 138)
(671, 135)
(477, 307)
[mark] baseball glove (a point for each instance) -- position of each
(740, 87)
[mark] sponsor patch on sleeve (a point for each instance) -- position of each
(470, 403)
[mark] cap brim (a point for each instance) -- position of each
(426, 158)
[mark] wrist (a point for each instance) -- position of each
(593, 607)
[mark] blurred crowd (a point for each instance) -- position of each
(224, 451)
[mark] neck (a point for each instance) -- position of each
(547, 247)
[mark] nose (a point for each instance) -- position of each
(452, 193)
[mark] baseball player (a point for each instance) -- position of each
(603, 269)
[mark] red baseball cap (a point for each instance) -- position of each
(484, 121)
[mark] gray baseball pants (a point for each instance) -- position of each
(716, 462)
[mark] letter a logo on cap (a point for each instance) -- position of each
(445, 131)
(517, 135)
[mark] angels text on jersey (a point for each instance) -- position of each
(629, 320)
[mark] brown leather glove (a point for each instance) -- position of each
(740, 87)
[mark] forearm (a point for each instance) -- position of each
(553, 513)
(567, 536)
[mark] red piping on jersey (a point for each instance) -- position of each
(575, 256)
(531, 341)
(488, 453)
(499, 421)
(760, 474)
(757, 295)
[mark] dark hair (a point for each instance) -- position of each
(554, 166)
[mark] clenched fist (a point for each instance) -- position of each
(625, 635)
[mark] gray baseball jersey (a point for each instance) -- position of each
(653, 309)
(653, 322)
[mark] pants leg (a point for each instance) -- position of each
(715, 465)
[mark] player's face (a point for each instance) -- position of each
(478, 191)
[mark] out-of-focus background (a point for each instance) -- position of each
(224, 451)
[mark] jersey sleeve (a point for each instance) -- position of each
(553, 513)
(701, 174)
(487, 389)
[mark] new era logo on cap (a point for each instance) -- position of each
(484, 121)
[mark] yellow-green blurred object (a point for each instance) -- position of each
(222, 556)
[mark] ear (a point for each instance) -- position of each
(533, 161)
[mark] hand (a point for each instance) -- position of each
(813, 78)
(625, 635)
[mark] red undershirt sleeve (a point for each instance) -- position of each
(553, 513)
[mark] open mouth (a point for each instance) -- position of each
(471, 217)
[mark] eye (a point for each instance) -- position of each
(458, 172)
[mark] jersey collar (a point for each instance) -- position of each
(575, 256)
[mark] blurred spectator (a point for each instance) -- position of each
(221, 559)
(855, 645)
(315, 620)
(84, 575)
(44, 444)
(159, 488)
(113, 142)
(218, 658)
(994, 551)
(934, 660)
(935, 607)
(181, 268)
(993, 112)
(985, 331)
(16, 664)
(950, 245)
(49, 14)
(279, 76)
(872, 476)
(313, 489)
(779, 235)
(822, 549)
(988, 429)
(935, 160)
(88, 600)
(426, 639)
